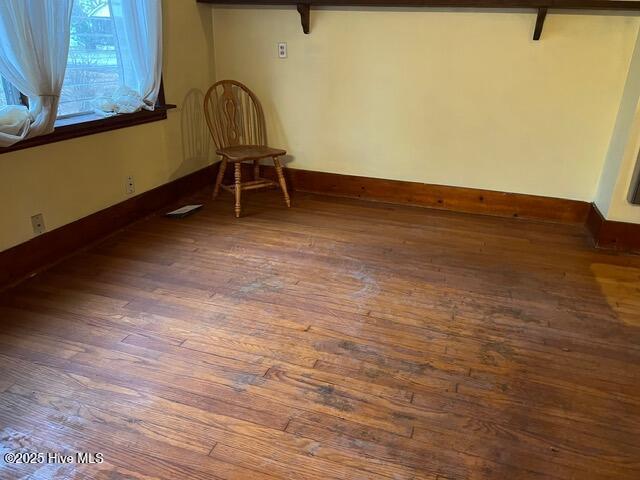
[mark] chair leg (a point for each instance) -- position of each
(283, 182)
(256, 169)
(221, 169)
(238, 187)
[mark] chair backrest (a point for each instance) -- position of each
(234, 115)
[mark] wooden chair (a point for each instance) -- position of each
(236, 121)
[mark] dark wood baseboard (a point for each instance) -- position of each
(458, 199)
(27, 258)
(620, 236)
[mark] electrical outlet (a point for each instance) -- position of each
(282, 50)
(130, 186)
(37, 222)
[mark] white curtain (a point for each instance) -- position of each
(34, 44)
(138, 25)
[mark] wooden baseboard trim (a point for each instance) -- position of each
(611, 235)
(36, 254)
(458, 199)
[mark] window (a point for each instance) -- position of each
(94, 67)
(9, 95)
(3, 96)
(108, 81)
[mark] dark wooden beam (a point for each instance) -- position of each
(628, 5)
(304, 9)
(304, 6)
(542, 15)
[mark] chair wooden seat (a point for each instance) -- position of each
(236, 122)
(242, 153)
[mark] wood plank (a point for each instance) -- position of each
(335, 339)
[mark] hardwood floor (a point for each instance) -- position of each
(339, 339)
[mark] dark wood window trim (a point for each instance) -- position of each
(82, 125)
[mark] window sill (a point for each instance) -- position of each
(90, 124)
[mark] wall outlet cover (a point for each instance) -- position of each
(37, 222)
(282, 50)
(130, 186)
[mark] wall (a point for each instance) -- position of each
(456, 98)
(71, 179)
(612, 198)
(448, 97)
(619, 170)
(621, 209)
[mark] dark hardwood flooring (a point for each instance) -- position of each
(339, 339)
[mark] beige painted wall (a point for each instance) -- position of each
(448, 97)
(618, 207)
(623, 149)
(614, 190)
(457, 98)
(622, 209)
(69, 180)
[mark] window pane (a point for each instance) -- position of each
(3, 96)
(9, 95)
(94, 67)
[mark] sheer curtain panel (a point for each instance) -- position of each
(34, 43)
(138, 25)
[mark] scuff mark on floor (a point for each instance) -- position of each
(369, 283)
(330, 398)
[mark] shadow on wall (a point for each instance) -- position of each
(196, 141)
(276, 136)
